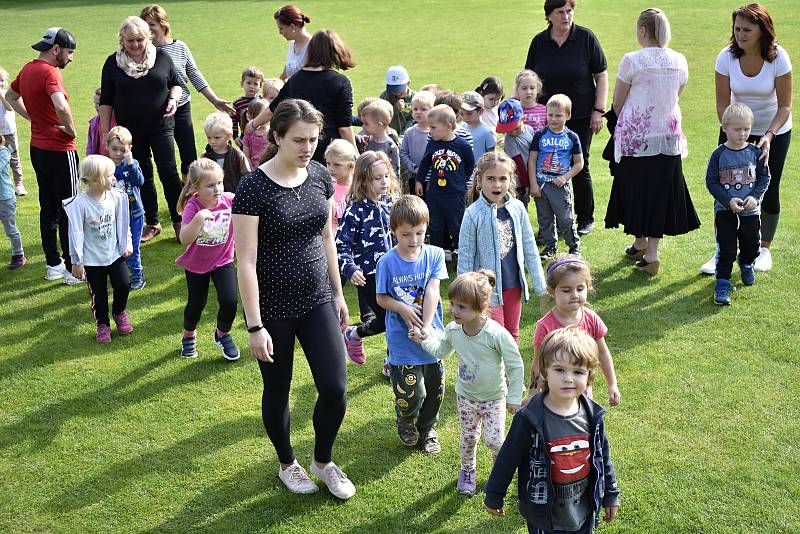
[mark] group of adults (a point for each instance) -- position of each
(282, 208)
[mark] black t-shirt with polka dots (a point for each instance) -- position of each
(291, 266)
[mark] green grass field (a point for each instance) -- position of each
(130, 437)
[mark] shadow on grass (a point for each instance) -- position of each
(42, 426)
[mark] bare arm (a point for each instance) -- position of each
(329, 241)
(607, 367)
(222, 105)
(347, 134)
(4, 102)
(105, 120)
(600, 99)
(409, 314)
(430, 304)
(17, 104)
(64, 114)
(783, 88)
(722, 85)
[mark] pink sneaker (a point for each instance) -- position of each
(355, 347)
(103, 333)
(124, 326)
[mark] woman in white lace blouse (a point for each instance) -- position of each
(649, 195)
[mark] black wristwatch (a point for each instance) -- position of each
(600, 111)
(254, 329)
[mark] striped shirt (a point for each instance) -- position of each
(187, 69)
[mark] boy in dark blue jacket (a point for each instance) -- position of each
(450, 160)
(558, 444)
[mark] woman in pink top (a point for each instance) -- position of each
(207, 232)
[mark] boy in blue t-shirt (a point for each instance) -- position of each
(737, 179)
(555, 158)
(407, 287)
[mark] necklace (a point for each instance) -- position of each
(296, 192)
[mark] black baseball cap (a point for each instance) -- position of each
(55, 36)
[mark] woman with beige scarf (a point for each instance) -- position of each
(140, 87)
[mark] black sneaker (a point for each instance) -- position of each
(408, 433)
(229, 349)
(585, 228)
(430, 442)
(548, 252)
(137, 282)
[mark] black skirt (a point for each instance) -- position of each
(649, 198)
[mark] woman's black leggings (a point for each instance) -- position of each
(162, 146)
(184, 136)
(322, 342)
(225, 283)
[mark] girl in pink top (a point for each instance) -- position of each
(527, 87)
(254, 143)
(207, 232)
(568, 282)
(340, 158)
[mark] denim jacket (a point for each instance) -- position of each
(525, 449)
(479, 246)
(363, 236)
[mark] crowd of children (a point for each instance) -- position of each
(469, 194)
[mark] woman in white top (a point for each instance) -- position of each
(754, 70)
(292, 27)
(649, 196)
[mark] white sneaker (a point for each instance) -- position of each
(709, 267)
(20, 190)
(71, 280)
(763, 261)
(296, 479)
(333, 477)
(55, 273)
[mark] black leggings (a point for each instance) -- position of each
(97, 277)
(184, 136)
(225, 283)
(377, 324)
(322, 342)
(162, 146)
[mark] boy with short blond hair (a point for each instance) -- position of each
(271, 88)
(407, 287)
(415, 138)
(220, 148)
(252, 80)
(376, 117)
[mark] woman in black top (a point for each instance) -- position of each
(327, 90)
(569, 60)
(290, 288)
(141, 87)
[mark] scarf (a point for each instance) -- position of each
(134, 69)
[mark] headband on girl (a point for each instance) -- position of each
(377, 162)
(559, 263)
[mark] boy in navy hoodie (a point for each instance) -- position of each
(558, 443)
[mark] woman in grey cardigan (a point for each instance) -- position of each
(496, 234)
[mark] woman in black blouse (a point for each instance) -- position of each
(141, 87)
(569, 60)
(290, 288)
(327, 90)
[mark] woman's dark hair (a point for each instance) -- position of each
(327, 50)
(490, 85)
(287, 113)
(291, 14)
(755, 14)
(552, 5)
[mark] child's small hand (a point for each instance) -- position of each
(358, 279)
(750, 203)
(416, 335)
(535, 191)
(499, 512)
(736, 205)
(613, 395)
(560, 181)
(611, 513)
(77, 271)
(419, 189)
(128, 156)
(513, 408)
(128, 251)
(411, 316)
(204, 214)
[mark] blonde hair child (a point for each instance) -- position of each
(99, 242)
(569, 280)
(218, 127)
(496, 234)
(340, 159)
(415, 138)
(487, 354)
(207, 232)
(364, 237)
(272, 86)
(527, 87)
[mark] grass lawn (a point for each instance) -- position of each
(130, 437)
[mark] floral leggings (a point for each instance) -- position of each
(471, 414)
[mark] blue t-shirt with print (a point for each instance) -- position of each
(405, 281)
(555, 153)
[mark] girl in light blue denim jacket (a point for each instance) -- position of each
(496, 234)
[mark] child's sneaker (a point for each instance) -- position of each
(763, 262)
(103, 333)
(709, 267)
(466, 482)
(430, 442)
(748, 274)
(408, 433)
(20, 190)
(722, 292)
(137, 282)
(548, 252)
(355, 347)
(124, 326)
(71, 280)
(17, 262)
(55, 272)
(229, 349)
(296, 479)
(189, 347)
(333, 477)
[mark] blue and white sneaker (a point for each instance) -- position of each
(748, 274)
(722, 292)
(138, 282)
(189, 347)
(226, 344)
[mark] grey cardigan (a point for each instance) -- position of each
(479, 247)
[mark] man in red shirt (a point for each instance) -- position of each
(39, 95)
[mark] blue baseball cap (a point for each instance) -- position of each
(509, 115)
